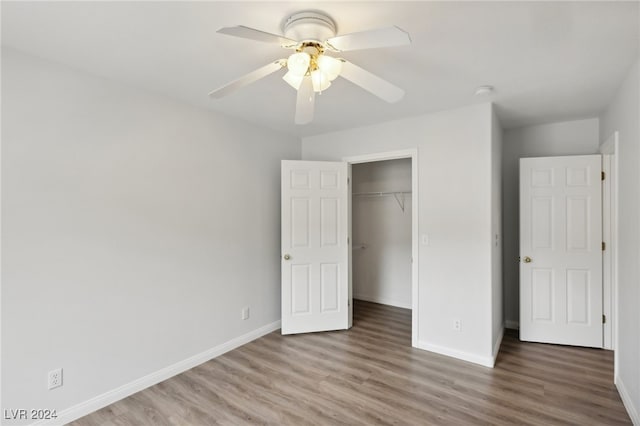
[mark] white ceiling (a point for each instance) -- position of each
(548, 61)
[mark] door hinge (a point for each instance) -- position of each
(604, 246)
(604, 319)
(347, 181)
(602, 175)
(347, 240)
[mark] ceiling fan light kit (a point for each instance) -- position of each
(298, 63)
(310, 60)
(294, 80)
(310, 70)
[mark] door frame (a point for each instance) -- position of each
(383, 156)
(609, 150)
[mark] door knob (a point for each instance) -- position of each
(527, 259)
(287, 257)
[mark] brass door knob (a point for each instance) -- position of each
(527, 259)
(287, 257)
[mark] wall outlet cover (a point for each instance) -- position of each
(54, 378)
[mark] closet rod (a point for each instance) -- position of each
(398, 195)
(379, 194)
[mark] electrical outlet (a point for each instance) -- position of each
(245, 313)
(54, 378)
(457, 325)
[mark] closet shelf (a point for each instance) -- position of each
(398, 195)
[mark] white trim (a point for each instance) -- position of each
(628, 402)
(350, 236)
(496, 346)
(485, 361)
(607, 254)
(1, 258)
(512, 325)
(610, 147)
(79, 410)
(393, 155)
(381, 156)
(382, 300)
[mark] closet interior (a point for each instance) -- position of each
(381, 231)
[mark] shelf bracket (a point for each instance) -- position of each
(399, 199)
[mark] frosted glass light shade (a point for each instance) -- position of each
(298, 63)
(294, 80)
(320, 81)
(330, 66)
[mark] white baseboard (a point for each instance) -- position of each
(512, 325)
(496, 345)
(382, 301)
(485, 361)
(634, 412)
(100, 401)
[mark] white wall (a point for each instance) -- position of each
(134, 231)
(497, 307)
(454, 173)
(546, 140)
(382, 270)
(622, 115)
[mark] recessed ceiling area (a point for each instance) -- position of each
(547, 61)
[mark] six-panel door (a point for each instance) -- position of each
(314, 246)
(561, 250)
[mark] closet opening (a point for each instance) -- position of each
(382, 234)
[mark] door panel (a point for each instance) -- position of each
(329, 222)
(314, 246)
(300, 292)
(560, 249)
(542, 223)
(578, 282)
(578, 232)
(542, 294)
(299, 222)
(329, 280)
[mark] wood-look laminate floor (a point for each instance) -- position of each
(371, 375)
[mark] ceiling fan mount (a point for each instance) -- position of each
(309, 26)
(310, 34)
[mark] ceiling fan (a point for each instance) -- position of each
(311, 35)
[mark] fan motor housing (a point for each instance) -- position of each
(309, 26)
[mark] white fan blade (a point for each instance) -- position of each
(305, 101)
(382, 37)
(248, 79)
(370, 82)
(253, 34)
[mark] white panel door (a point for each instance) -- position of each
(561, 250)
(315, 269)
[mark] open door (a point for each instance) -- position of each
(561, 250)
(315, 246)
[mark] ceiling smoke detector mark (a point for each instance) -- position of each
(484, 90)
